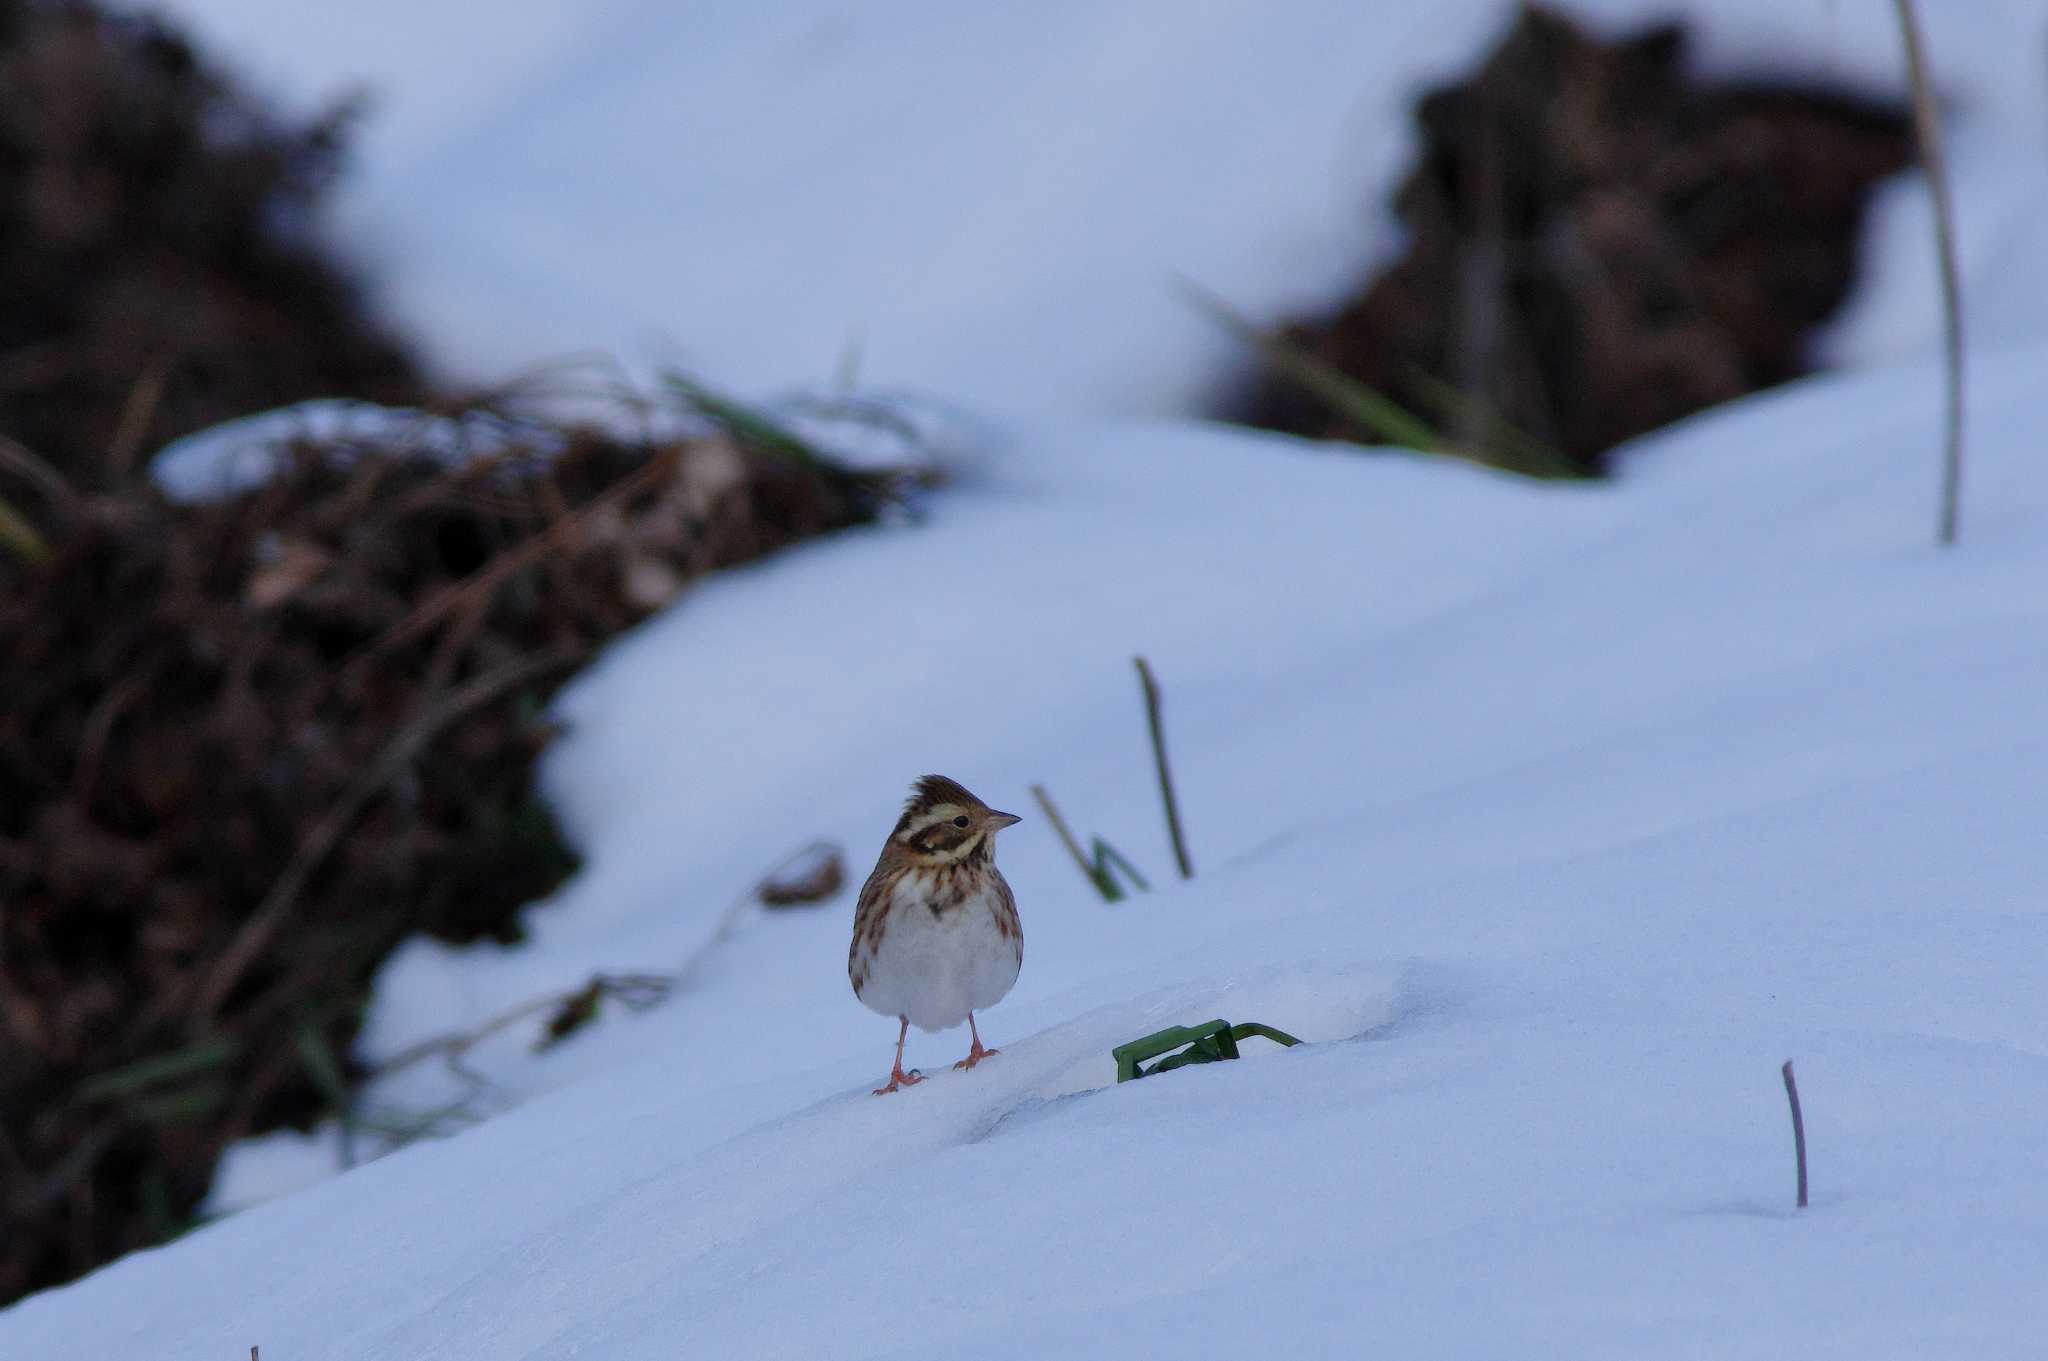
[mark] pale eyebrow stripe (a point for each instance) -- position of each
(945, 812)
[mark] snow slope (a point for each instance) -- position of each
(991, 201)
(1553, 817)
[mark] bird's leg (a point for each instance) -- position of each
(897, 1077)
(977, 1053)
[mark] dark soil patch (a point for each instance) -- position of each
(1601, 245)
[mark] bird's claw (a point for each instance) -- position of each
(897, 1079)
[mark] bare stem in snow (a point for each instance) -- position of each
(1927, 129)
(1104, 884)
(1798, 1129)
(1180, 845)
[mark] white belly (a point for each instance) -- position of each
(935, 969)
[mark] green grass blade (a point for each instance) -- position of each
(1107, 856)
(742, 422)
(318, 1060)
(146, 1073)
(1387, 419)
(185, 1105)
(18, 536)
(1507, 444)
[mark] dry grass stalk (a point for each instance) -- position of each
(1927, 128)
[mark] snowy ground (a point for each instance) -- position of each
(1553, 817)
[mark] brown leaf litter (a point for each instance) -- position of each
(251, 745)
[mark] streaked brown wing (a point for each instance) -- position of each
(870, 915)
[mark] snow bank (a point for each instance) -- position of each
(1553, 817)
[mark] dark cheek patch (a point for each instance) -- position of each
(939, 838)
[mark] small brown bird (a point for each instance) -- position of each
(936, 936)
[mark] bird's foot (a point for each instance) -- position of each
(975, 1055)
(897, 1079)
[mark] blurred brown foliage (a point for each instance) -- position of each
(1600, 244)
(251, 745)
(159, 270)
(247, 746)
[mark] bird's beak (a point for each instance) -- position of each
(998, 821)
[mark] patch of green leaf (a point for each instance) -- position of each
(206, 1057)
(747, 424)
(1502, 445)
(19, 537)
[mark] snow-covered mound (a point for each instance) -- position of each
(992, 201)
(1554, 818)
(239, 454)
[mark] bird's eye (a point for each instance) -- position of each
(960, 821)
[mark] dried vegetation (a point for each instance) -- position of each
(249, 745)
(1598, 244)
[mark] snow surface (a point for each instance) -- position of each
(992, 202)
(1554, 818)
(236, 455)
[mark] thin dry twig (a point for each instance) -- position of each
(1180, 845)
(63, 1180)
(1482, 274)
(569, 1009)
(277, 903)
(636, 990)
(1798, 1129)
(758, 894)
(17, 533)
(455, 640)
(99, 728)
(1927, 129)
(557, 535)
(19, 459)
(137, 412)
